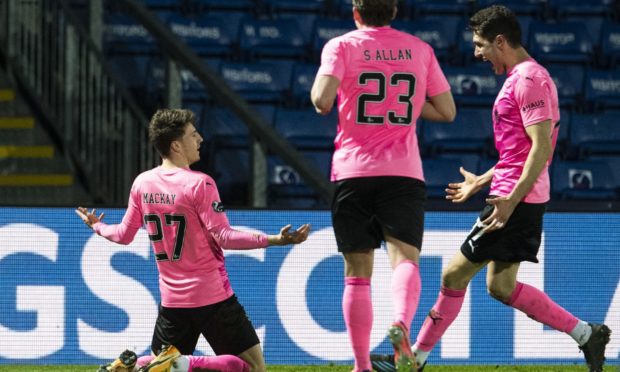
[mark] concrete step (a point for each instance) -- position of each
(7, 95)
(36, 179)
(35, 136)
(16, 122)
(42, 196)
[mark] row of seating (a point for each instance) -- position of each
(288, 83)
(407, 8)
(236, 35)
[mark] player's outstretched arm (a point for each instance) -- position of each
(286, 236)
(89, 218)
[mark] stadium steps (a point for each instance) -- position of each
(32, 173)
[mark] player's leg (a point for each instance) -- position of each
(455, 279)
(229, 331)
(503, 285)
(357, 234)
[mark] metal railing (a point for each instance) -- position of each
(97, 121)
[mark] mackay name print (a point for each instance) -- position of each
(158, 198)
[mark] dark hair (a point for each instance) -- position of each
(376, 12)
(496, 20)
(168, 125)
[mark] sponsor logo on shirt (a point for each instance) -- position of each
(218, 207)
(533, 105)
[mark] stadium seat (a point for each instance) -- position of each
(438, 172)
(474, 85)
(430, 31)
(532, 8)
(303, 78)
(122, 35)
(305, 21)
(592, 134)
(563, 8)
(561, 42)
(244, 5)
(613, 162)
(471, 131)
(306, 129)
(286, 187)
(563, 141)
(593, 25)
(610, 44)
(206, 35)
(192, 89)
(428, 7)
(602, 89)
(259, 82)
(327, 29)
(569, 80)
(314, 6)
(231, 171)
(278, 38)
(590, 180)
(227, 130)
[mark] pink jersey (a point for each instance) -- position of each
(188, 228)
(385, 77)
(528, 97)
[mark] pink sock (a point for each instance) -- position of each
(357, 311)
(223, 363)
(144, 360)
(538, 306)
(440, 317)
(405, 291)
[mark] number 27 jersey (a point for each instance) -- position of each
(385, 77)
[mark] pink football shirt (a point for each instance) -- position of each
(385, 77)
(187, 226)
(528, 97)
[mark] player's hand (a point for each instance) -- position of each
(461, 191)
(89, 218)
(287, 236)
(501, 213)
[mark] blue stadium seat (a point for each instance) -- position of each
(430, 31)
(474, 85)
(613, 162)
(563, 141)
(610, 44)
(327, 29)
(206, 35)
(303, 78)
(265, 82)
(569, 79)
(593, 25)
(438, 172)
(426, 7)
(162, 4)
(245, 5)
(305, 21)
(306, 129)
(562, 42)
(533, 8)
(122, 35)
(314, 6)
(231, 171)
(471, 131)
(132, 70)
(228, 131)
(278, 38)
(286, 187)
(562, 8)
(464, 43)
(192, 89)
(595, 133)
(603, 89)
(590, 180)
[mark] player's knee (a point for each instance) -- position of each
(498, 292)
(452, 279)
(257, 366)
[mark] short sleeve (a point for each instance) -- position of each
(332, 60)
(208, 205)
(436, 80)
(533, 96)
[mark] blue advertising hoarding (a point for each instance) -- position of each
(68, 296)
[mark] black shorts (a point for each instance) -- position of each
(225, 325)
(363, 207)
(518, 241)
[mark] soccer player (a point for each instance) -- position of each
(508, 230)
(188, 228)
(384, 80)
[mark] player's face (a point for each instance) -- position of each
(488, 51)
(190, 143)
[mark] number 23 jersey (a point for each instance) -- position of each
(385, 77)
